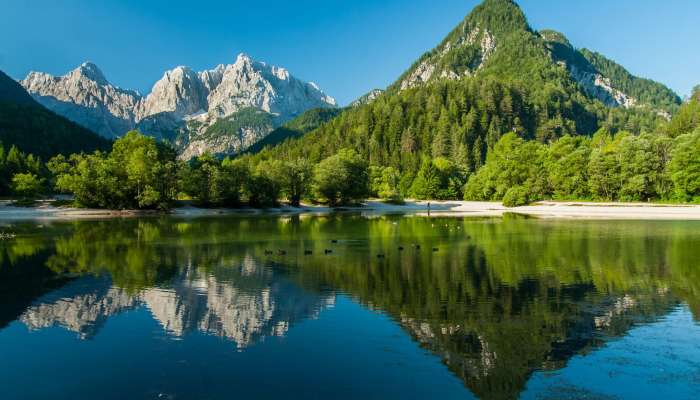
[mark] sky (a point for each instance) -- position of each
(347, 47)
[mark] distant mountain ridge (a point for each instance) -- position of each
(182, 105)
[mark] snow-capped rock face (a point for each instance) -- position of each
(86, 97)
(247, 83)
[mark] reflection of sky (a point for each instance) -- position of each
(657, 361)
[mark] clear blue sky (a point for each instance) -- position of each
(347, 47)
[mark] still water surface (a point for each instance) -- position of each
(499, 308)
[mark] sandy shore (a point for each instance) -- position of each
(545, 209)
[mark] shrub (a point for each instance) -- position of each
(516, 196)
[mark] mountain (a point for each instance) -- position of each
(367, 97)
(86, 97)
(34, 129)
(12, 92)
(297, 127)
(236, 132)
(493, 74)
(184, 106)
(608, 81)
(495, 39)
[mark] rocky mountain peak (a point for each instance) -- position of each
(554, 37)
(243, 59)
(180, 91)
(367, 98)
(495, 39)
(182, 103)
(86, 97)
(467, 49)
(92, 72)
(212, 78)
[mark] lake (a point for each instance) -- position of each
(350, 306)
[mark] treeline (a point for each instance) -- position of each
(460, 121)
(141, 173)
(21, 175)
(664, 165)
(623, 167)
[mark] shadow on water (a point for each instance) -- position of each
(496, 300)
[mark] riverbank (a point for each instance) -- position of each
(545, 209)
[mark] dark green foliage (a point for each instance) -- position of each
(34, 129)
(684, 169)
(296, 178)
(13, 92)
(213, 183)
(137, 174)
(234, 182)
(342, 178)
(27, 185)
(623, 167)
(265, 183)
(14, 164)
(516, 88)
(295, 128)
(513, 163)
(233, 124)
(38, 131)
(687, 119)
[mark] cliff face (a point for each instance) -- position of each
(182, 104)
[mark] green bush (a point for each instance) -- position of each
(516, 196)
(27, 185)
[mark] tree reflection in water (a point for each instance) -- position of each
(501, 299)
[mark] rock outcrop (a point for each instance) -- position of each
(86, 97)
(182, 104)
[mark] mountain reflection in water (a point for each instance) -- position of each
(501, 300)
(252, 304)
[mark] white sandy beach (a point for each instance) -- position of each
(544, 209)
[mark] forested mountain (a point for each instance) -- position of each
(30, 127)
(12, 92)
(493, 74)
(607, 81)
(297, 127)
(687, 119)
